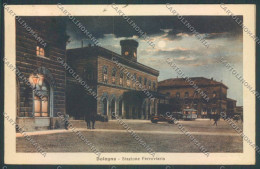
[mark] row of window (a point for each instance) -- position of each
(186, 94)
(147, 83)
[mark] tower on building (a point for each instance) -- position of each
(129, 49)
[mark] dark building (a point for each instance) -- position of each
(123, 85)
(183, 95)
(239, 110)
(41, 79)
(231, 106)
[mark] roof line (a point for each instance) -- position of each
(217, 83)
(115, 54)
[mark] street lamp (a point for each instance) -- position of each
(36, 79)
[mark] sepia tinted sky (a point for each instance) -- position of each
(174, 40)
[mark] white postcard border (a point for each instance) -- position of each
(248, 155)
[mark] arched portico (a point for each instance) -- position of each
(112, 106)
(104, 104)
(120, 107)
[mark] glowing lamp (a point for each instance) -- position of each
(35, 80)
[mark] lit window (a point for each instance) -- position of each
(214, 110)
(149, 84)
(204, 111)
(113, 79)
(114, 76)
(37, 106)
(214, 94)
(41, 101)
(121, 78)
(178, 95)
(134, 80)
(105, 74)
(128, 81)
(154, 85)
(40, 51)
(45, 106)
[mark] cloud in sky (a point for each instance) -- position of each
(153, 25)
(173, 40)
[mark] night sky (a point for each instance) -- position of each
(174, 40)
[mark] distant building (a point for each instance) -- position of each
(239, 110)
(231, 106)
(183, 95)
(40, 83)
(123, 85)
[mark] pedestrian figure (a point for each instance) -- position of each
(216, 118)
(237, 118)
(87, 119)
(66, 116)
(93, 119)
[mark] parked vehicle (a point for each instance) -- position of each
(189, 114)
(162, 118)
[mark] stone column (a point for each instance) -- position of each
(147, 109)
(117, 107)
(109, 110)
(123, 110)
(143, 110)
(156, 107)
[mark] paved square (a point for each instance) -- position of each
(162, 137)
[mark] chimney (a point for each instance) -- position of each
(129, 49)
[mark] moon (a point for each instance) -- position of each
(161, 44)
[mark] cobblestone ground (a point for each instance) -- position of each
(114, 138)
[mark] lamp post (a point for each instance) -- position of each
(36, 79)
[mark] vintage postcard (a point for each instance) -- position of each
(130, 84)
